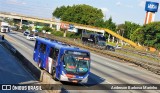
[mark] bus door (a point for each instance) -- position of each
(53, 60)
(42, 54)
(36, 51)
(35, 55)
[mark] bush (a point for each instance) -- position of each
(24, 27)
(47, 29)
(69, 34)
(73, 35)
(57, 33)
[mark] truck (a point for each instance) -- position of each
(4, 27)
(96, 40)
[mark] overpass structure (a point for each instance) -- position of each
(78, 26)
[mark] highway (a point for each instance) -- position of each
(13, 72)
(103, 70)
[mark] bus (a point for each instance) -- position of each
(64, 62)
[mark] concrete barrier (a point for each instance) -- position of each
(35, 71)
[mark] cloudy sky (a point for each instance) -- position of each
(119, 10)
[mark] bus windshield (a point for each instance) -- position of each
(78, 65)
(4, 26)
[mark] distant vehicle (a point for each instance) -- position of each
(30, 37)
(110, 48)
(36, 35)
(26, 33)
(36, 31)
(96, 40)
(118, 47)
(4, 27)
(62, 61)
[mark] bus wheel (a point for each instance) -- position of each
(54, 75)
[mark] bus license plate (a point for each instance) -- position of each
(74, 81)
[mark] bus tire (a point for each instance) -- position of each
(54, 75)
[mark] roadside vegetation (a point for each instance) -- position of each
(145, 35)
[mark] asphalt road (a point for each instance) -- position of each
(12, 72)
(103, 70)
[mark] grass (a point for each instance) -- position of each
(139, 56)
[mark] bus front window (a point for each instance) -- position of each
(76, 64)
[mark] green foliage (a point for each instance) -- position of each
(148, 35)
(83, 14)
(47, 29)
(69, 34)
(109, 24)
(57, 33)
(138, 36)
(59, 11)
(73, 35)
(24, 27)
(129, 29)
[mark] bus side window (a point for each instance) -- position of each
(42, 48)
(56, 52)
(51, 52)
(36, 45)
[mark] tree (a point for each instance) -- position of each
(109, 24)
(24, 27)
(129, 28)
(149, 35)
(59, 11)
(138, 36)
(120, 29)
(83, 14)
(47, 29)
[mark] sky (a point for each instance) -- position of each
(119, 10)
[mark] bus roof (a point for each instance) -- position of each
(59, 45)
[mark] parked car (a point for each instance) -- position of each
(110, 48)
(30, 37)
(118, 47)
(26, 33)
(36, 35)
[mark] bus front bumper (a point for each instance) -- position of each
(74, 80)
